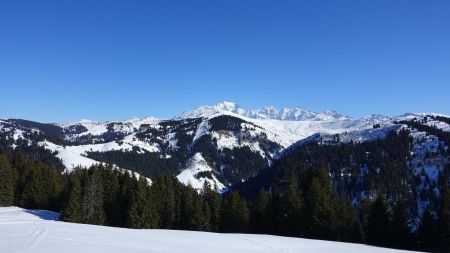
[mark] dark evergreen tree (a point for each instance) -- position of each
(72, 208)
(212, 201)
(401, 236)
(319, 212)
(42, 187)
(261, 213)
(191, 210)
(206, 226)
(426, 234)
(8, 181)
(378, 223)
(294, 204)
(443, 222)
(142, 214)
(111, 191)
(235, 214)
(346, 224)
(168, 205)
(278, 213)
(92, 204)
(363, 216)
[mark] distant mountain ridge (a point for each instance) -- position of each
(268, 112)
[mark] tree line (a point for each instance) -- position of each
(307, 207)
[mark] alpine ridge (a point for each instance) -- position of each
(268, 112)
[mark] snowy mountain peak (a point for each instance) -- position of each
(267, 112)
(83, 122)
(208, 110)
(227, 106)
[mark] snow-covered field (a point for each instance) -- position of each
(24, 230)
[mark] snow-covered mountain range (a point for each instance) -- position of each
(268, 112)
(223, 144)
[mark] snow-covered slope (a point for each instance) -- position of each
(33, 231)
(192, 175)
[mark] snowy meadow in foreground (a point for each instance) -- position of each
(24, 230)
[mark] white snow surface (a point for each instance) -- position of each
(195, 165)
(37, 231)
(69, 157)
(72, 157)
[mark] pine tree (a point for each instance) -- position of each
(319, 212)
(378, 223)
(443, 223)
(128, 184)
(213, 201)
(426, 234)
(400, 232)
(294, 204)
(168, 203)
(206, 226)
(346, 224)
(111, 193)
(363, 216)
(197, 219)
(141, 213)
(235, 214)
(191, 210)
(42, 187)
(8, 181)
(92, 203)
(278, 213)
(261, 213)
(72, 208)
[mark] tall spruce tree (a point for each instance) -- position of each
(319, 212)
(261, 213)
(278, 212)
(92, 203)
(363, 217)
(111, 191)
(191, 210)
(378, 223)
(167, 202)
(443, 223)
(142, 214)
(401, 236)
(426, 234)
(213, 201)
(235, 214)
(72, 208)
(346, 224)
(8, 181)
(42, 187)
(294, 204)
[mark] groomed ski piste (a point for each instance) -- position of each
(37, 231)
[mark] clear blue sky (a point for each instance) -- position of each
(108, 60)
